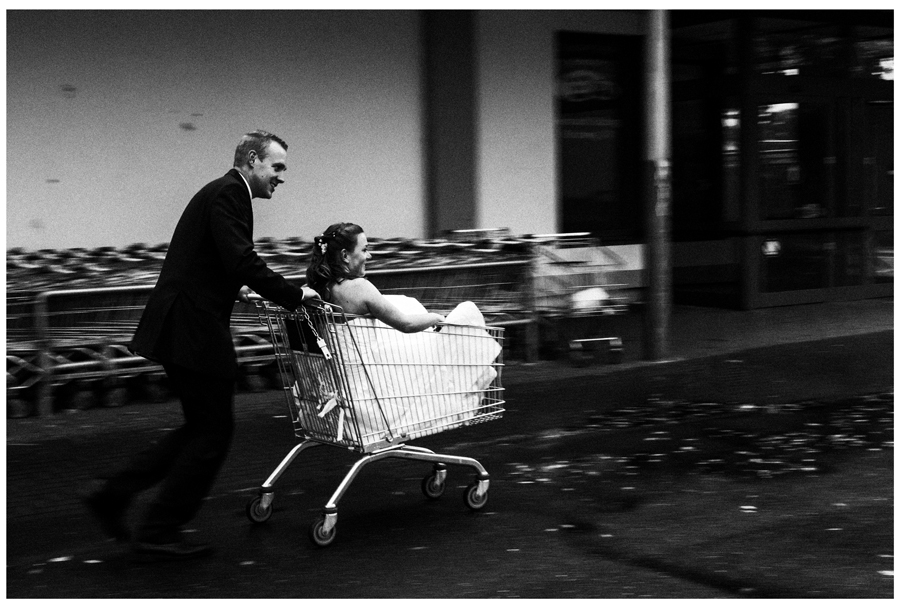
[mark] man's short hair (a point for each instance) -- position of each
(255, 140)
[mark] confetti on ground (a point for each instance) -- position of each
(812, 431)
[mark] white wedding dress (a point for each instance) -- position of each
(419, 383)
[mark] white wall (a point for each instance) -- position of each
(110, 165)
(517, 175)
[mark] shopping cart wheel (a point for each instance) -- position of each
(318, 535)
(258, 513)
(472, 499)
(432, 487)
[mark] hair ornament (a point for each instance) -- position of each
(320, 241)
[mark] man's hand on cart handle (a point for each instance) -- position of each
(247, 295)
(311, 295)
(244, 294)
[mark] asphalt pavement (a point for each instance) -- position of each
(756, 461)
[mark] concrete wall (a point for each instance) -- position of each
(115, 119)
(517, 173)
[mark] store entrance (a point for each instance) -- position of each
(782, 157)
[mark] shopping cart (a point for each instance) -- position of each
(574, 296)
(355, 383)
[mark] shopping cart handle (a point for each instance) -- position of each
(316, 304)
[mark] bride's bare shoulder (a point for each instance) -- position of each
(360, 284)
(354, 294)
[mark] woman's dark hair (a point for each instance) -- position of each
(327, 267)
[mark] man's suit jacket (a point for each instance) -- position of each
(210, 257)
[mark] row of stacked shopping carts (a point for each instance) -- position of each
(70, 314)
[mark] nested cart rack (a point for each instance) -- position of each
(358, 384)
(574, 293)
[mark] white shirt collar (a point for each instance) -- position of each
(248, 185)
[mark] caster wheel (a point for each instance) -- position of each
(431, 488)
(256, 512)
(472, 499)
(318, 535)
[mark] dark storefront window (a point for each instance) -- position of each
(796, 48)
(599, 137)
(706, 122)
(849, 258)
(797, 161)
(731, 164)
(878, 160)
(695, 174)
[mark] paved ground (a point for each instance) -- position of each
(757, 462)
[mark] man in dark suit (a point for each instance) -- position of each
(185, 326)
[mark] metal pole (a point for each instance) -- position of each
(658, 187)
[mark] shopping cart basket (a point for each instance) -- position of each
(574, 296)
(355, 383)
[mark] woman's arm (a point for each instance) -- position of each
(365, 298)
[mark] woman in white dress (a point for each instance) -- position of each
(403, 375)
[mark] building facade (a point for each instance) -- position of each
(782, 156)
(781, 139)
(414, 123)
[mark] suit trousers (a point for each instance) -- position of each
(185, 460)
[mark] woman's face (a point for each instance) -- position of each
(356, 259)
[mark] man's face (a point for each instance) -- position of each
(266, 173)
